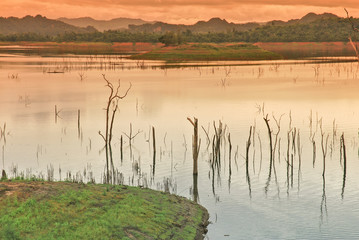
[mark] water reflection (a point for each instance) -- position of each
(257, 187)
(323, 205)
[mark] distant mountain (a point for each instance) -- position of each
(39, 24)
(103, 25)
(308, 18)
(221, 25)
(212, 25)
(311, 17)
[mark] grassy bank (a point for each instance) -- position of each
(208, 52)
(60, 210)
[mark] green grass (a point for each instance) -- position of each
(59, 210)
(208, 52)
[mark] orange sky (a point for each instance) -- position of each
(178, 11)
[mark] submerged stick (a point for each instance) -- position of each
(230, 153)
(154, 150)
(343, 153)
(195, 144)
(78, 123)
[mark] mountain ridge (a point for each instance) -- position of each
(39, 25)
(120, 23)
(217, 24)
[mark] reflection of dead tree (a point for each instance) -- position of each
(207, 135)
(323, 204)
(355, 29)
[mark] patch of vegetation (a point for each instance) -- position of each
(208, 52)
(60, 210)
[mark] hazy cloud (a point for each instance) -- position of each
(176, 11)
(161, 3)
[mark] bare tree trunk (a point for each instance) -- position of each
(196, 144)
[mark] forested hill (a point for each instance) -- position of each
(39, 25)
(221, 25)
(212, 25)
(310, 28)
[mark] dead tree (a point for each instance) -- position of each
(130, 136)
(113, 99)
(196, 144)
(276, 135)
(270, 138)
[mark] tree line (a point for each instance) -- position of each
(328, 30)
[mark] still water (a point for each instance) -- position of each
(309, 105)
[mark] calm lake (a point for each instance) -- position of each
(309, 104)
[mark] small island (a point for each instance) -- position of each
(208, 52)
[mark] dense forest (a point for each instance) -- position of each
(318, 30)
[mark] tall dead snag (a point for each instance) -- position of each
(196, 144)
(271, 153)
(270, 138)
(113, 99)
(355, 29)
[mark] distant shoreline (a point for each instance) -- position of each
(289, 50)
